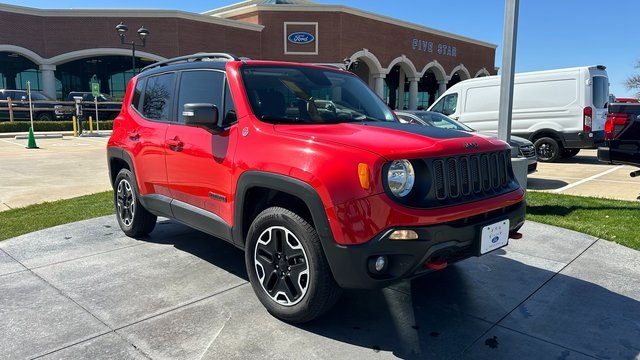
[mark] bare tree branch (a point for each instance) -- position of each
(633, 81)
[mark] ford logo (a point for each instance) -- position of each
(495, 239)
(300, 37)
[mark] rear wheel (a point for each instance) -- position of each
(569, 153)
(133, 218)
(548, 149)
(287, 268)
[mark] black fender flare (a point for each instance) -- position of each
(120, 154)
(285, 184)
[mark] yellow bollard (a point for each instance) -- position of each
(90, 125)
(75, 127)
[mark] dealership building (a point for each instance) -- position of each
(408, 65)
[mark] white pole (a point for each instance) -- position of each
(30, 105)
(508, 68)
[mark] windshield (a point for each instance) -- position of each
(305, 95)
(442, 121)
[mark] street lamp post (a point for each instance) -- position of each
(142, 34)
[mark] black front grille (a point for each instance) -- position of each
(479, 175)
(527, 151)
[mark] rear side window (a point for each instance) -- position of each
(158, 96)
(600, 91)
(200, 86)
(137, 95)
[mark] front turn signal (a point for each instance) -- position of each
(363, 175)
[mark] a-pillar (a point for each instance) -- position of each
(442, 87)
(379, 85)
(413, 93)
(48, 80)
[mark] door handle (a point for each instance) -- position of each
(134, 135)
(175, 144)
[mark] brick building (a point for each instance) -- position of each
(406, 64)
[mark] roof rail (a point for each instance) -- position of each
(195, 57)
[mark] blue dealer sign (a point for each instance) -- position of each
(300, 37)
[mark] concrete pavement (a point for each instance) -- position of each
(86, 291)
(584, 175)
(60, 169)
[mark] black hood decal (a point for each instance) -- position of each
(428, 131)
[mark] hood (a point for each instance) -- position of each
(515, 141)
(394, 140)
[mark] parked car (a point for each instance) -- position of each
(108, 107)
(524, 147)
(321, 194)
(44, 108)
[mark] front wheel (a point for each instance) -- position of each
(548, 149)
(134, 220)
(287, 267)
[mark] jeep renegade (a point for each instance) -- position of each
(309, 172)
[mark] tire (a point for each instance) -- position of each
(569, 153)
(548, 149)
(44, 116)
(134, 220)
(306, 289)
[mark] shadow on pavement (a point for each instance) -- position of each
(545, 184)
(215, 251)
(489, 307)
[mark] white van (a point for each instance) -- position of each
(561, 111)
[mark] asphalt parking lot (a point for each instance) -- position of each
(86, 291)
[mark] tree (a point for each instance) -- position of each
(633, 81)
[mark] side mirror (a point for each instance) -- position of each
(202, 115)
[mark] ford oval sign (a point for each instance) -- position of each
(495, 239)
(300, 37)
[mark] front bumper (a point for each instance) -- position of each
(442, 243)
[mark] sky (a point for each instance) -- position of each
(551, 33)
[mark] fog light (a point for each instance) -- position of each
(403, 235)
(378, 264)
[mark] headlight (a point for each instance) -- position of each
(400, 177)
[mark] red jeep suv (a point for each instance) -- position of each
(309, 172)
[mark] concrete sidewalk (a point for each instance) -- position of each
(85, 291)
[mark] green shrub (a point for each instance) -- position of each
(23, 126)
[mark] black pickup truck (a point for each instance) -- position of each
(622, 136)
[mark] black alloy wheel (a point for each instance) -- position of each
(133, 218)
(287, 267)
(548, 149)
(281, 265)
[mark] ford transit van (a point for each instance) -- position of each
(561, 111)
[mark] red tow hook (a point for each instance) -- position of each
(436, 264)
(515, 235)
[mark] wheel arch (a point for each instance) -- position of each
(118, 159)
(548, 133)
(263, 190)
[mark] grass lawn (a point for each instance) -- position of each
(41, 216)
(613, 220)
